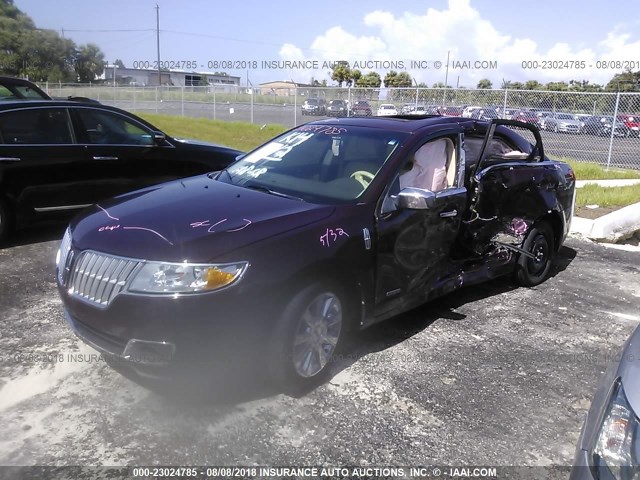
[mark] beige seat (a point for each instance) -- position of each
(433, 167)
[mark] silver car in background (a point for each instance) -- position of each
(562, 122)
(609, 444)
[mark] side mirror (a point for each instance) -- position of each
(415, 199)
(159, 138)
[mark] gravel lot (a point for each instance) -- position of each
(489, 376)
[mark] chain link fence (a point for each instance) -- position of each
(593, 127)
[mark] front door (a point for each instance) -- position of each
(414, 243)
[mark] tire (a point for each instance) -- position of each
(309, 332)
(6, 220)
(539, 241)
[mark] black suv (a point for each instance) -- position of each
(60, 156)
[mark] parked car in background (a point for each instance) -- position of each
(601, 125)
(337, 108)
(561, 122)
(508, 113)
(329, 238)
(62, 156)
(419, 110)
(527, 116)
(361, 108)
(485, 114)
(314, 106)
(467, 111)
(18, 89)
(451, 111)
(610, 437)
(407, 108)
(386, 109)
(632, 122)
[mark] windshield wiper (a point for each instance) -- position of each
(262, 188)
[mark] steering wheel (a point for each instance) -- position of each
(362, 177)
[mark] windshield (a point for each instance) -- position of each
(316, 163)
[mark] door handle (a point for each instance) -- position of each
(105, 158)
(451, 213)
(10, 159)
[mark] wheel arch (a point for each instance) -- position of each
(554, 219)
(333, 273)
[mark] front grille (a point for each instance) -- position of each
(65, 248)
(98, 277)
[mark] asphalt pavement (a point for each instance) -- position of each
(492, 375)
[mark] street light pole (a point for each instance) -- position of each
(158, 42)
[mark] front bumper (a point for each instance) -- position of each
(161, 336)
(580, 469)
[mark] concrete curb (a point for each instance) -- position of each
(609, 183)
(612, 227)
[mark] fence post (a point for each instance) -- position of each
(156, 102)
(252, 104)
(214, 102)
(613, 129)
(504, 104)
(182, 100)
(295, 106)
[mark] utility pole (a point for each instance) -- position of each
(158, 42)
(446, 78)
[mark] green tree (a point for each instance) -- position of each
(341, 73)
(119, 63)
(89, 62)
(355, 76)
(532, 85)
(399, 80)
(557, 86)
(370, 80)
(625, 82)
(485, 83)
(41, 55)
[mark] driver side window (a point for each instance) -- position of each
(431, 167)
(106, 128)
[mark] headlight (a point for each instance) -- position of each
(617, 449)
(160, 277)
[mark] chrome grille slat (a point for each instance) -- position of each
(108, 270)
(65, 248)
(98, 277)
(113, 279)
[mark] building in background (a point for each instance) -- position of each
(178, 78)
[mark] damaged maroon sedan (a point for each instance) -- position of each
(331, 226)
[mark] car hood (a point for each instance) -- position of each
(196, 219)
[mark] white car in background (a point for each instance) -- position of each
(387, 109)
(468, 111)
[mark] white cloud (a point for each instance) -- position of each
(463, 31)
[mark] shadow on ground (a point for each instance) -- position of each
(232, 383)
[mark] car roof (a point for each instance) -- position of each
(19, 82)
(8, 105)
(16, 104)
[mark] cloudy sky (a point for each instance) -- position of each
(258, 34)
